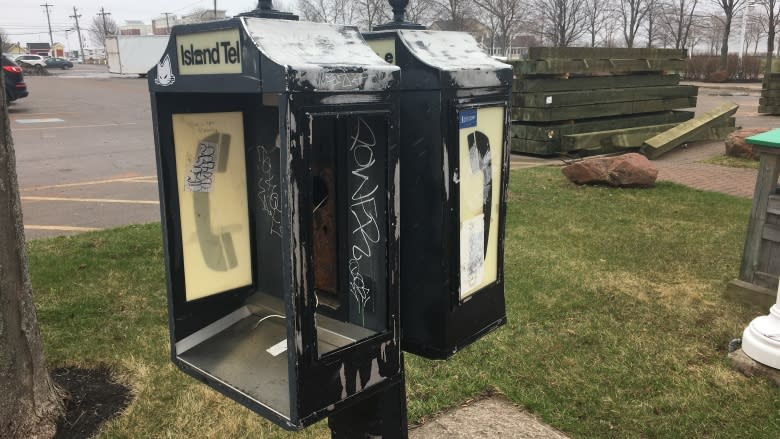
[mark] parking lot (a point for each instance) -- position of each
(85, 152)
(85, 149)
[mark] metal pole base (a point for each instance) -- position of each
(380, 416)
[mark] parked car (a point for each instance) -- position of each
(31, 60)
(15, 88)
(58, 63)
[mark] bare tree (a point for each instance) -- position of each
(772, 17)
(455, 12)
(596, 16)
(327, 11)
(100, 29)
(504, 15)
(31, 403)
(564, 20)
(632, 14)
(372, 12)
(651, 21)
(711, 30)
(677, 20)
(612, 28)
(755, 29)
(729, 9)
(5, 43)
(421, 11)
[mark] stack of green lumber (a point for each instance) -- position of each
(563, 94)
(770, 94)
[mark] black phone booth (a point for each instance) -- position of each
(277, 153)
(454, 174)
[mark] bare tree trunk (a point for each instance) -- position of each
(30, 402)
(724, 48)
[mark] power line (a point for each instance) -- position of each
(48, 20)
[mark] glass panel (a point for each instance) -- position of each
(211, 177)
(481, 131)
(349, 227)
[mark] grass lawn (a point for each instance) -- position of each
(617, 327)
(732, 162)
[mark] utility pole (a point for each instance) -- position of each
(76, 17)
(105, 31)
(215, 9)
(167, 25)
(48, 20)
(105, 26)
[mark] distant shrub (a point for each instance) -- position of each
(707, 68)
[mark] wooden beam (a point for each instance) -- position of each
(596, 66)
(769, 109)
(534, 147)
(605, 53)
(684, 132)
(769, 101)
(766, 185)
(600, 96)
(601, 110)
(536, 84)
(556, 130)
(599, 138)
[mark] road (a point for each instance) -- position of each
(85, 149)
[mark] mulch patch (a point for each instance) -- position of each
(93, 399)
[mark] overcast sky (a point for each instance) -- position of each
(24, 21)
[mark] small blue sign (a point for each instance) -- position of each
(467, 118)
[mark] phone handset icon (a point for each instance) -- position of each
(211, 157)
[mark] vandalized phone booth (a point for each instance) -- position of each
(277, 153)
(454, 174)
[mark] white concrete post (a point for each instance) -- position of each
(761, 338)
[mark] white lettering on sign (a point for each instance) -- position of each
(209, 53)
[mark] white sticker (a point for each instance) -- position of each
(201, 175)
(548, 100)
(472, 253)
(278, 348)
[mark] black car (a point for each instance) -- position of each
(58, 63)
(15, 88)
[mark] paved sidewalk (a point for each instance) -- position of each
(683, 166)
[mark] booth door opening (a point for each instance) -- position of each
(349, 226)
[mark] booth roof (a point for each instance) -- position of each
(456, 53)
(449, 51)
(300, 44)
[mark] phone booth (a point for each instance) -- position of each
(454, 173)
(277, 154)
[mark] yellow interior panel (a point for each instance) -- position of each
(479, 204)
(211, 177)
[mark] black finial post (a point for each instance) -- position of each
(399, 17)
(399, 10)
(265, 9)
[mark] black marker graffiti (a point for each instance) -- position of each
(481, 160)
(201, 175)
(268, 189)
(363, 208)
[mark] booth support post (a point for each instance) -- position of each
(381, 415)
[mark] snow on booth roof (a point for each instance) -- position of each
(313, 48)
(457, 54)
(448, 50)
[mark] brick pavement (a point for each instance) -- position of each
(683, 166)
